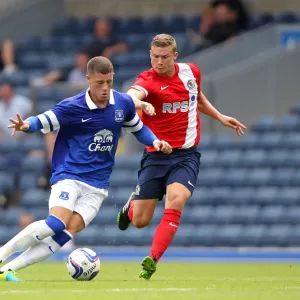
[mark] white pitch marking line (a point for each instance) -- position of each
(119, 290)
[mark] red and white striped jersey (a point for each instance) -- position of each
(175, 101)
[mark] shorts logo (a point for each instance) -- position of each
(64, 196)
(119, 115)
(137, 190)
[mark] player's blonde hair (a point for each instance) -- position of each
(100, 64)
(164, 40)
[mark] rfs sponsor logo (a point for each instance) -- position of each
(103, 141)
(182, 106)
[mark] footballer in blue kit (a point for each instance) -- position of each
(89, 125)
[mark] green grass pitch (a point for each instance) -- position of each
(174, 281)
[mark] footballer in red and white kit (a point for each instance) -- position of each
(170, 96)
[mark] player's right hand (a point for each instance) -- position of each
(18, 125)
(162, 146)
(148, 108)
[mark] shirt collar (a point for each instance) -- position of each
(91, 105)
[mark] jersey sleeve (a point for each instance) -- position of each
(197, 73)
(132, 121)
(56, 117)
(142, 84)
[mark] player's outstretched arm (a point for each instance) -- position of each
(205, 107)
(30, 125)
(137, 97)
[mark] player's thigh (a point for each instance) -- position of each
(88, 205)
(62, 201)
(181, 182)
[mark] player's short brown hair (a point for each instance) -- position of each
(100, 64)
(164, 40)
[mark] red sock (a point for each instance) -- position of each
(165, 232)
(130, 212)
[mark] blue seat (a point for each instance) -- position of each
(259, 177)
(11, 216)
(119, 196)
(291, 140)
(271, 214)
(206, 141)
(35, 165)
(120, 178)
(249, 141)
(241, 195)
(219, 195)
(39, 213)
(127, 162)
(184, 236)
(32, 60)
(253, 158)
(125, 74)
(130, 25)
(28, 181)
(294, 236)
(7, 181)
(277, 235)
(107, 215)
(17, 79)
(174, 24)
(289, 123)
(204, 235)
(211, 177)
(51, 94)
(135, 42)
(223, 214)
(222, 142)
(35, 198)
(291, 215)
(33, 143)
(67, 26)
(296, 108)
(237, 177)
(260, 20)
(201, 195)
(267, 123)
(276, 158)
(153, 24)
(201, 214)
(252, 235)
(209, 158)
(229, 158)
(288, 195)
(43, 106)
(86, 25)
(270, 140)
(265, 195)
(293, 159)
(227, 235)
(283, 176)
(7, 233)
(246, 214)
(193, 22)
(29, 44)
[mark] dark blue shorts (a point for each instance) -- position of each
(158, 170)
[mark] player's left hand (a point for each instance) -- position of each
(233, 123)
(162, 146)
(148, 108)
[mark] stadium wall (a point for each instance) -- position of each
(158, 7)
(18, 23)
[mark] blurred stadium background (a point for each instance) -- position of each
(247, 200)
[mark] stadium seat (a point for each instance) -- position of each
(289, 123)
(211, 177)
(201, 214)
(229, 158)
(276, 158)
(264, 124)
(288, 195)
(36, 165)
(153, 25)
(283, 176)
(204, 235)
(271, 214)
(237, 177)
(265, 195)
(291, 215)
(249, 141)
(35, 198)
(7, 181)
(246, 214)
(253, 158)
(7, 233)
(130, 25)
(209, 158)
(277, 235)
(286, 17)
(32, 60)
(183, 236)
(174, 24)
(218, 195)
(227, 235)
(223, 214)
(107, 215)
(241, 195)
(291, 140)
(193, 22)
(270, 140)
(252, 235)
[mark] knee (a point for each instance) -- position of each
(175, 201)
(141, 222)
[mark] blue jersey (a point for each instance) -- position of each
(88, 136)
